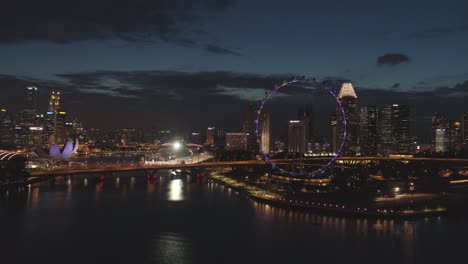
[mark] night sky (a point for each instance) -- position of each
(190, 64)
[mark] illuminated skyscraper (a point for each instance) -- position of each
(393, 130)
(297, 136)
(31, 101)
(55, 120)
(349, 100)
(369, 136)
(210, 134)
(446, 135)
(264, 132)
(54, 101)
(455, 138)
(440, 127)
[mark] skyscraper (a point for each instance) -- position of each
(210, 134)
(31, 99)
(369, 139)
(55, 120)
(439, 125)
(297, 136)
(393, 131)
(455, 141)
(446, 135)
(348, 98)
(54, 101)
(264, 132)
(400, 128)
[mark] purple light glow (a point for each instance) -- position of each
(313, 82)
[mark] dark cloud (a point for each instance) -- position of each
(392, 59)
(396, 85)
(220, 50)
(133, 21)
(439, 32)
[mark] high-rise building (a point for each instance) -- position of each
(236, 141)
(465, 130)
(31, 99)
(6, 129)
(438, 122)
(55, 120)
(446, 135)
(210, 135)
(264, 132)
(441, 140)
(368, 134)
(393, 130)
(455, 142)
(297, 136)
(348, 99)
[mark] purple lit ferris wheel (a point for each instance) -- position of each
(308, 82)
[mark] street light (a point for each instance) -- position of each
(176, 145)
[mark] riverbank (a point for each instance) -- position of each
(274, 199)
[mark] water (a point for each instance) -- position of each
(125, 219)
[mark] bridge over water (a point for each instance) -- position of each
(347, 161)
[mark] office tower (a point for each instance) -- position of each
(439, 126)
(31, 99)
(210, 134)
(297, 136)
(264, 132)
(348, 100)
(465, 130)
(454, 137)
(236, 141)
(249, 126)
(441, 140)
(393, 130)
(400, 128)
(55, 120)
(368, 134)
(6, 130)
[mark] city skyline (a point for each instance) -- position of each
(415, 59)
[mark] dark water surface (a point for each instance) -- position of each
(125, 219)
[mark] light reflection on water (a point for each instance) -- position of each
(176, 190)
(133, 210)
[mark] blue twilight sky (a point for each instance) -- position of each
(87, 47)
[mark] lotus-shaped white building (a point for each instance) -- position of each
(54, 151)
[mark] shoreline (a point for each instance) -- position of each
(273, 199)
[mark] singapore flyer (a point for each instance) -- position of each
(304, 81)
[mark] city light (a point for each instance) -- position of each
(176, 145)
